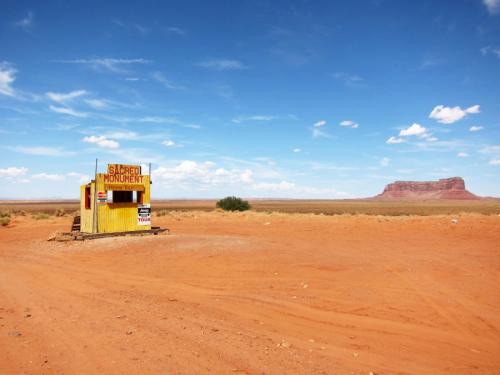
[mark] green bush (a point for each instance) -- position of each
(4, 214)
(41, 216)
(233, 204)
(4, 221)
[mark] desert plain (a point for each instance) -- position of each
(257, 292)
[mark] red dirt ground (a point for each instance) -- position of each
(255, 293)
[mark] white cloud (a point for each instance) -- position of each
(318, 133)
(414, 129)
(106, 64)
(160, 77)
(26, 23)
(67, 111)
(462, 155)
(62, 98)
(48, 177)
(349, 123)
(490, 50)
(493, 6)
(240, 119)
(101, 141)
(176, 30)
(491, 150)
(319, 124)
(169, 143)
(449, 115)
(143, 30)
(297, 150)
(43, 151)
(222, 64)
(475, 128)
(11, 172)
(159, 120)
(82, 178)
(384, 162)
(395, 140)
(128, 135)
(350, 80)
(200, 174)
(494, 162)
(270, 186)
(97, 103)
(7, 77)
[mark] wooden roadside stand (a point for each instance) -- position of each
(116, 203)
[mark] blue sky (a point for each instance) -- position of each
(288, 99)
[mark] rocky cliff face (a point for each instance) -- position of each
(448, 188)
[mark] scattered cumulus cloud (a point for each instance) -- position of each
(48, 177)
(7, 78)
(495, 162)
(11, 172)
(430, 62)
(475, 128)
(349, 124)
(26, 23)
(491, 150)
(43, 151)
(222, 64)
(101, 141)
(128, 135)
(176, 30)
(493, 6)
(395, 140)
(240, 119)
(349, 80)
(160, 77)
(200, 174)
(82, 178)
(462, 155)
(384, 162)
(65, 97)
(107, 64)
(297, 150)
(317, 131)
(449, 115)
(319, 124)
(274, 186)
(489, 50)
(67, 111)
(414, 129)
(97, 103)
(169, 143)
(143, 30)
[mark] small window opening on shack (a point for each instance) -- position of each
(122, 196)
(87, 197)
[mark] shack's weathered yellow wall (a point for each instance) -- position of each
(86, 215)
(120, 217)
(112, 217)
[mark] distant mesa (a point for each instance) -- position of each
(447, 188)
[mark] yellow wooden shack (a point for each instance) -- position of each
(116, 201)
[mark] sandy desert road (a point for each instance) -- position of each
(255, 293)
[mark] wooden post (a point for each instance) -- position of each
(95, 227)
